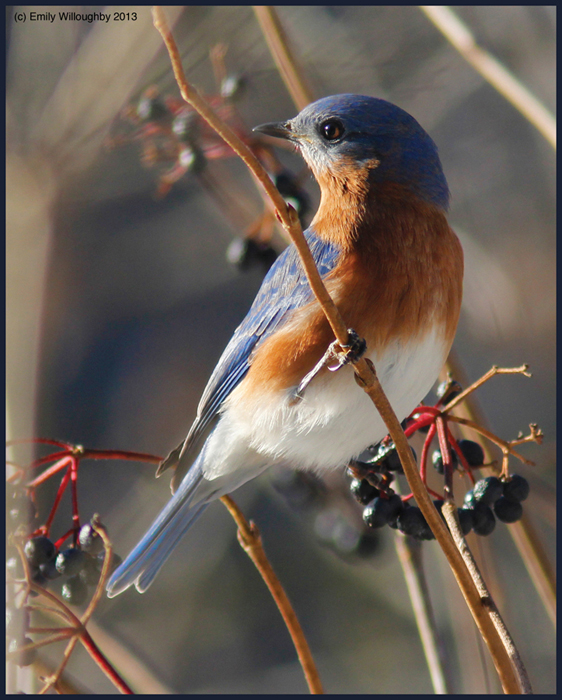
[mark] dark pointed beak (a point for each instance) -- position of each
(280, 130)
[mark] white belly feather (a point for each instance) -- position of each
(334, 421)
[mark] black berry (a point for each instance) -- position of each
(25, 657)
(466, 520)
(508, 511)
(292, 192)
(488, 490)
(483, 518)
(49, 570)
(70, 561)
(447, 391)
(363, 491)
(396, 506)
(437, 460)
(411, 522)
(246, 253)
(75, 591)
(115, 561)
(516, 489)
(14, 567)
(472, 452)
(89, 539)
(391, 460)
(39, 550)
(377, 514)
(90, 572)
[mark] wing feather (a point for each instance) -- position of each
(284, 289)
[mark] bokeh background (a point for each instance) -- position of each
(120, 303)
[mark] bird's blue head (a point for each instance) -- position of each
(355, 133)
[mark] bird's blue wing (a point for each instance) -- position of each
(284, 289)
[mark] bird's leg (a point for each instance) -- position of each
(342, 354)
(351, 352)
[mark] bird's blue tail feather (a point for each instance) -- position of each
(146, 559)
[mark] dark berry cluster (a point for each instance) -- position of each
(17, 624)
(80, 566)
(247, 253)
(370, 486)
(491, 498)
(19, 506)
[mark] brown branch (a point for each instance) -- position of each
(410, 556)
(492, 70)
(450, 514)
(505, 446)
(284, 58)
(364, 369)
(483, 379)
(250, 541)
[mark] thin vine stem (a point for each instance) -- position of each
(458, 34)
(284, 58)
(250, 541)
(450, 514)
(409, 553)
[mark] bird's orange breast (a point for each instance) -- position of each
(399, 278)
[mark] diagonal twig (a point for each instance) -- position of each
(250, 541)
(284, 58)
(492, 70)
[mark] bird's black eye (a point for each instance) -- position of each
(332, 129)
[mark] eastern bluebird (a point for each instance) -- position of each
(394, 268)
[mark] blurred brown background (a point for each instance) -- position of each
(120, 303)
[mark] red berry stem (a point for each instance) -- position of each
(39, 441)
(48, 473)
(62, 539)
(460, 454)
(423, 459)
(73, 484)
(98, 656)
(63, 484)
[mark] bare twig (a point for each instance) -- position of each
(450, 514)
(523, 369)
(503, 444)
(410, 556)
(284, 58)
(250, 541)
(492, 70)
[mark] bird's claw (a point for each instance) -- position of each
(351, 352)
(342, 354)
